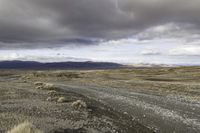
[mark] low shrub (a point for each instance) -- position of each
(79, 104)
(61, 100)
(25, 127)
(45, 86)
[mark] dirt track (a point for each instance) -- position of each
(163, 114)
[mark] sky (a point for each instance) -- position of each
(122, 31)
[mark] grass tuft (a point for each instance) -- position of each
(79, 104)
(61, 100)
(45, 86)
(25, 127)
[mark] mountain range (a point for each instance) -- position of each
(57, 65)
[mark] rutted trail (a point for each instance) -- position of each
(163, 114)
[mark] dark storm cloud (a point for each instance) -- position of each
(55, 20)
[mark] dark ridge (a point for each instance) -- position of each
(57, 65)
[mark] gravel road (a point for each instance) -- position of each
(162, 114)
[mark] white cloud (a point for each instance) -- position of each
(9, 56)
(191, 50)
(150, 52)
(133, 51)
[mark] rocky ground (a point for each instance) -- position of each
(138, 100)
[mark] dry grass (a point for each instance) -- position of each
(52, 92)
(57, 74)
(50, 99)
(61, 100)
(49, 86)
(38, 83)
(25, 127)
(45, 86)
(79, 104)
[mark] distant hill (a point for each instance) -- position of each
(57, 65)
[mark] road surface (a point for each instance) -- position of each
(162, 114)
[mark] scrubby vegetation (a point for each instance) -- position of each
(38, 83)
(25, 127)
(61, 100)
(30, 95)
(6, 73)
(52, 92)
(57, 74)
(79, 104)
(45, 86)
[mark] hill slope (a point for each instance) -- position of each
(57, 65)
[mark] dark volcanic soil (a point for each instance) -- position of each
(20, 101)
(145, 100)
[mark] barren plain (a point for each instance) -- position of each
(132, 100)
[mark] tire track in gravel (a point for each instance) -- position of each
(163, 114)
